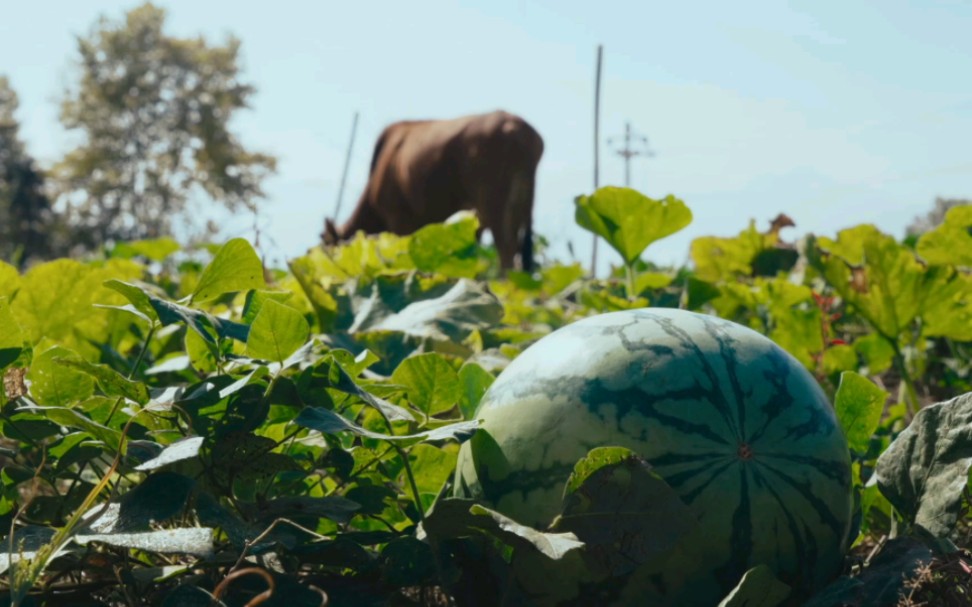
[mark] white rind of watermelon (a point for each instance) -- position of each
(731, 421)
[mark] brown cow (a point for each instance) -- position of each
(424, 171)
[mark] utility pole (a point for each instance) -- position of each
(628, 152)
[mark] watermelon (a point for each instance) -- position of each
(734, 424)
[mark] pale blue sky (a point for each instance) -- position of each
(836, 113)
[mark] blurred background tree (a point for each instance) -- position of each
(154, 111)
(27, 221)
(925, 223)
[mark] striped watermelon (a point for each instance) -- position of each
(733, 423)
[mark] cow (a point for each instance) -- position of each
(423, 171)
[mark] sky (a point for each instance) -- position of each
(836, 113)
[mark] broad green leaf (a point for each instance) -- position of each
(256, 298)
(74, 419)
(552, 545)
(9, 279)
(625, 514)
(839, 358)
(346, 383)
(925, 470)
(156, 249)
(137, 295)
(877, 353)
(110, 381)
(202, 323)
(947, 309)
(720, 259)
(56, 300)
(628, 220)
(859, 405)
(55, 385)
(951, 242)
(236, 267)
(474, 381)
(431, 383)
(329, 422)
(11, 337)
(647, 281)
(882, 279)
(431, 466)
(757, 588)
(277, 332)
(449, 248)
(203, 355)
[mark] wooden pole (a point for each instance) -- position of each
(597, 143)
(347, 163)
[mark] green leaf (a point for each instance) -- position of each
(110, 381)
(137, 295)
(56, 385)
(649, 281)
(156, 249)
(719, 260)
(236, 267)
(625, 514)
(951, 242)
(879, 277)
(346, 383)
(859, 405)
(328, 422)
(202, 323)
(449, 248)
(630, 221)
(74, 419)
(757, 588)
(9, 279)
(203, 355)
(256, 298)
(877, 353)
(277, 332)
(431, 466)
(11, 337)
(474, 381)
(431, 383)
(925, 470)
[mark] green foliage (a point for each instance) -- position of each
(196, 416)
(153, 111)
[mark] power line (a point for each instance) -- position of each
(640, 143)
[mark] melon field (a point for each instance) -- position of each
(188, 427)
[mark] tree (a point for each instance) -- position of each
(154, 113)
(26, 217)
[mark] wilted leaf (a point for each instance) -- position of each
(925, 470)
(859, 405)
(191, 540)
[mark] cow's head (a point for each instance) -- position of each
(330, 234)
